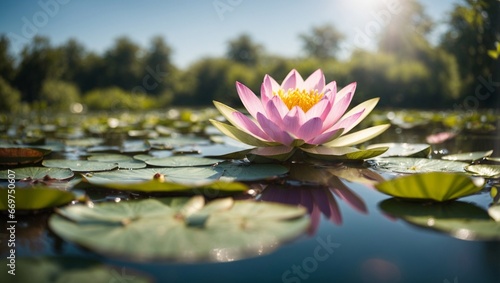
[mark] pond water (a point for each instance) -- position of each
(352, 236)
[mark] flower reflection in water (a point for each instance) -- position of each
(318, 189)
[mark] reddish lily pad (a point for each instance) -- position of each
(13, 156)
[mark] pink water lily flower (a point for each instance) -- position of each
(298, 113)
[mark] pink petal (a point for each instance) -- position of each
(351, 88)
(331, 86)
(310, 129)
(348, 122)
(315, 81)
(294, 119)
(280, 106)
(350, 197)
(320, 109)
(338, 109)
(273, 113)
(251, 102)
(244, 123)
(273, 131)
(292, 81)
(267, 89)
(324, 137)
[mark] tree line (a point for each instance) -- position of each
(406, 70)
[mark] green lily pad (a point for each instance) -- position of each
(172, 142)
(250, 172)
(417, 165)
(403, 149)
(183, 175)
(80, 165)
(34, 199)
(49, 269)
(37, 173)
(123, 161)
(180, 229)
(468, 156)
(182, 161)
(12, 156)
(458, 219)
(436, 186)
(209, 188)
(483, 170)
(84, 142)
(343, 153)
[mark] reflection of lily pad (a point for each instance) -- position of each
(12, 156)
(37, 173)
(343, 153)
(483, 170)
(458, 219)
(468, 156)
(437, 186)
(71, 269)
(417, 165)
(182, 161)
(404, 149)
(181, 229)
(34, 199)
(80, 165)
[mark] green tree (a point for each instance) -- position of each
(39, 61)
(116, 99)
(123, 67)
(7, 70)
(473, 29)
(159, 74)
(243, 50)
(10, 97)
(59, 95)
(322, 41)
(72, 54)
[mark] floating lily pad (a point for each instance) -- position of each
(180, 229)
(84, 142)
(494, 212)
(250, 172)
(209, 188)
(34, 199)
(172, 142)
(71, 269)
(403, 149)
(483, 170)
(123, 161)
(37, 173)
(80, 165)
(343, 153)
(417, 165)
(468, 156)
(185, 175)
(437, 186)
(12, 156)
(182, 161)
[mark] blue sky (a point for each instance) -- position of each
(196, 28)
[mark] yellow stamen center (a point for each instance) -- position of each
(303, 98)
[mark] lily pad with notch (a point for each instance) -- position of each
(181, 229)
(410, 165)
(80, 165)
(37, 173)
(468, 156)
(403, 149)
